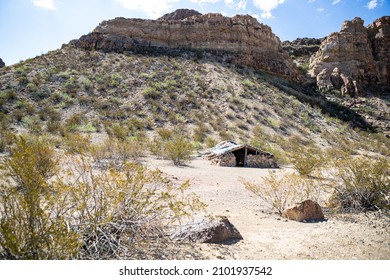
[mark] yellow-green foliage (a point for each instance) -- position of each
(172, 145)
(280, 192)
(362, 183)
(305, 157)
(82, 212)
(30, 228)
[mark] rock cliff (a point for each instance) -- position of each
(355, 58)
(180, 14)
(2, 64)
(240, 40)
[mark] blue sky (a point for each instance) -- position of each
(32, 27)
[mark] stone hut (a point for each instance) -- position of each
(231, 154)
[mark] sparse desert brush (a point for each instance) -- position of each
(361, 183)
(72, 211)
(306, 158)
(172, 145)
(280, 192)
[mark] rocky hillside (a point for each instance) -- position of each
(354, 59)
(218, 78)
(241, 40)
(2, 64)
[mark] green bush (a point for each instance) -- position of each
(178, 149)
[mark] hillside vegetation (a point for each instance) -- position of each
(82, 116)
(130, 96)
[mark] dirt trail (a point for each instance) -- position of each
(266, 235)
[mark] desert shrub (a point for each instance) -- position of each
(200, 132)
(118, 151)
(211, 142)
(112, 214)
(6, 139)
(29, 227)
(77, 143)
(362, 183)
(178, 149)
(279, 192)
(172, 145)
(305, 157)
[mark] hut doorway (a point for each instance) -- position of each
(240, 157)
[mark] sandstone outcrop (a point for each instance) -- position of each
(306, 210)
(240, 40)
(355, 58)
(217, 231)
(2, 64)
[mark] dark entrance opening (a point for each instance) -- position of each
(240, 157)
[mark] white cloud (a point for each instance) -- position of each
(266, 6)
(312, 1)
(46, 4)
(320, 10)
(152, 8)
(200, 2)
(238, 5)
(336, 2)
(372, 4)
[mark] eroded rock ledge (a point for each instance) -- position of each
(241, 39)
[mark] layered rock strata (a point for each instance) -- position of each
(240, 40)
(354, 58)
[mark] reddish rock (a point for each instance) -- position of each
(306, 210)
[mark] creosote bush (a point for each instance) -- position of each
(362, 184)
(280, 192)
(172, 145)
(75, 211)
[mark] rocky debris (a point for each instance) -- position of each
(179, 14)
(2, 64)
(306, 210)
(354, 58)
(217, 231)
(240, 40)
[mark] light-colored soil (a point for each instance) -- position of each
(267, 235)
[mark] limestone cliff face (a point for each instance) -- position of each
(2, 64)
(354, 58)
(241, 38)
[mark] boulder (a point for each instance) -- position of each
(306, 210)
(217, 231)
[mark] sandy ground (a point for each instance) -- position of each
(267, 235)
